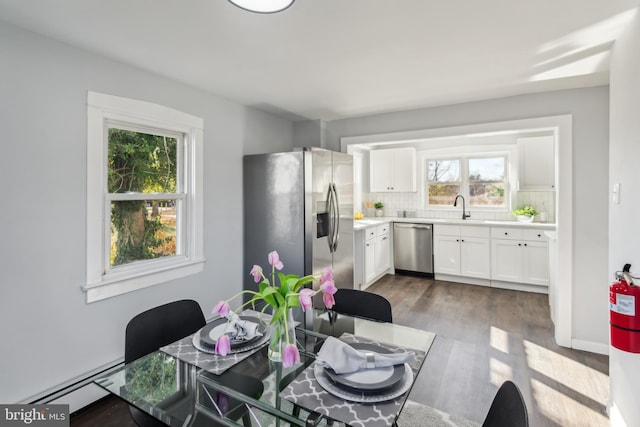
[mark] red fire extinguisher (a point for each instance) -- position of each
(624, 313)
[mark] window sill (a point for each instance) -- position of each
(114, 286)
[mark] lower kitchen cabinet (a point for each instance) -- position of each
(462, 251)
(375, 244)
(520, 256)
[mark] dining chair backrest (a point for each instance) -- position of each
(508, 408)
(363, 304)
(162, 325)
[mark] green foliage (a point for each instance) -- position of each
(378, 205)
(140, 163)
(527, 211)
(151, 379)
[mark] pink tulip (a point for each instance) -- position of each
(274, 260)
(327, 276)
(222, 309)
(290, 356)
(256, 272)
(223, 345)
(328, 287)
(305, 298)
(328, 300)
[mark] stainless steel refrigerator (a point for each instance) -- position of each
(300, 204)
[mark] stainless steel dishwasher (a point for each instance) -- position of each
(413, 247)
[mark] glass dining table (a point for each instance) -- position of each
(181, 385)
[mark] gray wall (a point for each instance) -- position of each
(49, 335)
(624, 226)
(590, 111)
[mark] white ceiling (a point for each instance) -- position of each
(328, 59)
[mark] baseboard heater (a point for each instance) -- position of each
(67, 389)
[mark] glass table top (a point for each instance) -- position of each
(181, 394)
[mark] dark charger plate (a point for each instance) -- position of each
(208, 342)
(343, 379)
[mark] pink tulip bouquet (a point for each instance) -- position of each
(281, 293)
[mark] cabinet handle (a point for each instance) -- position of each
(384, 238)
(506, 234)
(457, 240)
(462, 240)
(539, 235)
(525, 244)
(519, 244)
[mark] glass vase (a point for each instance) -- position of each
(278, 340)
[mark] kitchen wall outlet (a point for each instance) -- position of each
(616, 193)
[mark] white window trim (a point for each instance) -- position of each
(510, 155)
(101, 109)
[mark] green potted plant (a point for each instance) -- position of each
(525, 214)
(379, 206)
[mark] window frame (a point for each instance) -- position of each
(103, 111)
(464, 158)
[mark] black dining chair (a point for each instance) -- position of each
(165, 324)
(363, 304)
(508, 408)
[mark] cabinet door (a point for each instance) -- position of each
(382, 253)
(506, 260)
(537, 165)
(369, 261)
(404, 170)
(380, 170)
(446, 255)
(358, 259)
(536, 263)
(475, 257)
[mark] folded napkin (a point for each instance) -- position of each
(241, 330)
(343, 358)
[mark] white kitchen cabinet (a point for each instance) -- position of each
(536, 170)
(520, 256)
(462, 251)
(392, 170)
(377, 253)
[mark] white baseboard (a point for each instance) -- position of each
(82, 397)
(590, 346)
(463, 279)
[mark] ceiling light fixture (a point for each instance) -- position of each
(263, 6)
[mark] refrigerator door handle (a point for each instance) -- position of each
(329, 207)
(336, 206)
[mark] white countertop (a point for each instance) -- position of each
(360, 224)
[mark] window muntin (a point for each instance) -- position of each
(481, 180)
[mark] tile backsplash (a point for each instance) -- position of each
(542, 201)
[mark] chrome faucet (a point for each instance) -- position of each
(465, 215)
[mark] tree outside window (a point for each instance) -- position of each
(481, 180)
(143, 167)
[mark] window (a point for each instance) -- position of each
(144, 203)
(481, 180)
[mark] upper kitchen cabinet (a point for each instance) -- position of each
(536, 165)
(392, 170)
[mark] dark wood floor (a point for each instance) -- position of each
(484, 337)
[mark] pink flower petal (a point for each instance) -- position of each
(223, 345)
(328, 300)
(327, 276)
(328, 287)
(290, 356)
(305, 298)
(222, 309)
(256, 272)
(274, 260)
